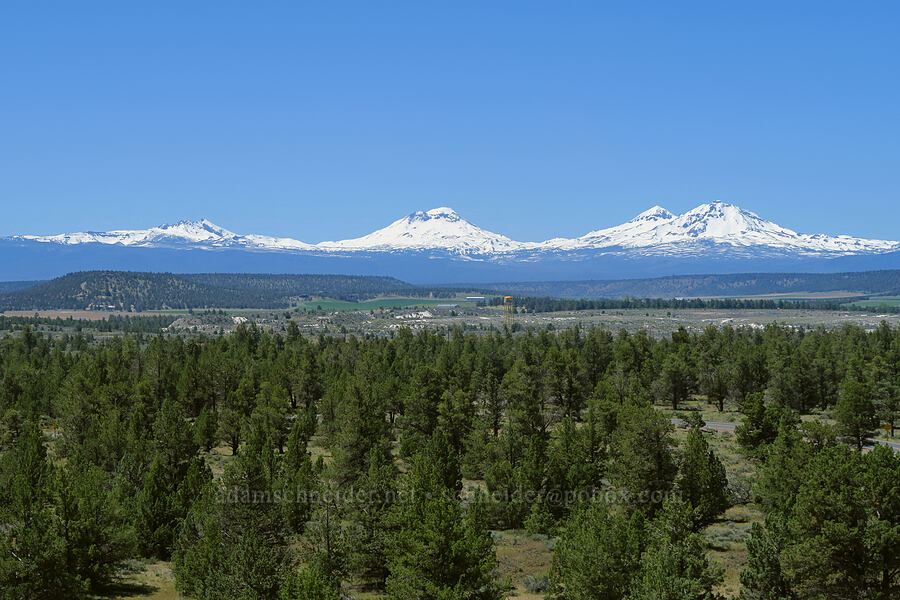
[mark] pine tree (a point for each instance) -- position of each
(855, 413)
(642, 465)
(362, 428)
(675, 565)
(437, 550)
(32, 549)
(93, 523)
(205, 428)
(761, 424)
(270, 413)
(231, 543)
(377, 491)
(702, 482)
(762, 578)
(156, 512)
(598, 555)
(308, 584)
(297, 480)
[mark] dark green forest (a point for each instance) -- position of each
(347, 459)
(125, 290)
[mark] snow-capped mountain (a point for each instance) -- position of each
(711, 230)
(729, 227)
(441, 246)
(200, 234)
(437, 229)
(618, 235)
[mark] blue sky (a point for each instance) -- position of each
(322, 120)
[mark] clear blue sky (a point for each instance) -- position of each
(320, 120)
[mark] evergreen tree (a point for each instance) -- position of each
(205, 429)
(231, 543)
(308, 584)
(331, 538)
(641, 463)
(844, 527)
(270, 413)
(438, 550)
(701, 480)
(377, 491)
(157, 512)
(297, 480)
(675, 565)
(598, 555)
(362, 428)
(763, 578)
(761, 424)
(855, 413)
(93, 524)
(32, 549)
(674, 383)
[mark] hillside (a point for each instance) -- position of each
(11, 286)
(125, 290)
(688, 286)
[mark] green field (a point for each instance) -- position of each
(888, 301)
(379, 303)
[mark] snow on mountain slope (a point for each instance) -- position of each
(659, 231)
(618, 235)
(709, 229)
(202, 233)
(197, 232)
(437, 229)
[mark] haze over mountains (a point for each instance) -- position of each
(440, 245)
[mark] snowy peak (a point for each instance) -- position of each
(183, 232)
(708, 229)
(618, 235)
(186, 231)
(656, 214)
(441, 212)
(658, 231)
(436, 229)
(723, 220)
(196, 229)
(202, 233)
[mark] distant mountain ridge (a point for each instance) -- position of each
(439, 246)
(656, 230)
(139, 291)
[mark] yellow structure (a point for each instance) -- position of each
(509, 311)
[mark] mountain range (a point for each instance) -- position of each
(440, 245)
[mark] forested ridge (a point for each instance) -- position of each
(732, 284)
(126, 290)
(543, 304)
(11, 286)
(349, 456)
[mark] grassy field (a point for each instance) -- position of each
(888, 301)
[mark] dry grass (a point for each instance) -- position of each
(149, 581)
(520, 555)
